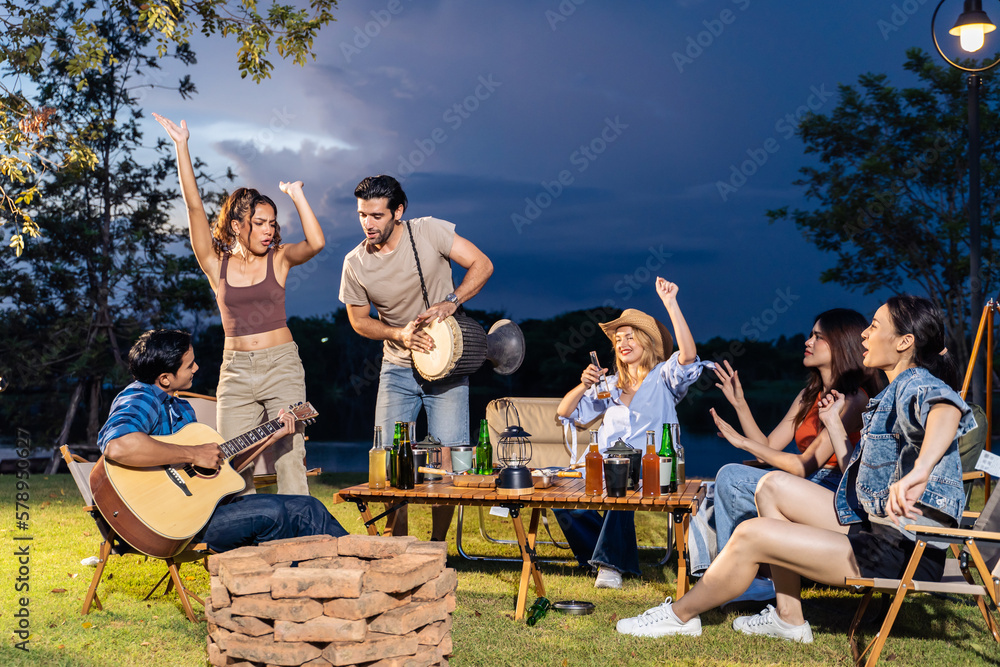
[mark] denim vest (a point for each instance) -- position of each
(890, 442)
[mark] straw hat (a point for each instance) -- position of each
(650, 326)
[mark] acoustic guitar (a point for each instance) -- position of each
(158, 509)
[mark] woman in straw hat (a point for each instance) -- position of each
(644, 394)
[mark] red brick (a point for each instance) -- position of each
(299, 549)
(432, 548)
(366, 606)
(405, 619)
(244, 576)
(338, 563)
(433, 634)
(444, 649)
(269, 651)
(373, 546)
(215, 559)
(375, 647)
(438, 587)
(218, 593)
(450, 602)
(247, 625)
(424, 657)
(215, 655)
(402, 573)
(297, 582)
(263, 605)
(322, 629)
(219, 636)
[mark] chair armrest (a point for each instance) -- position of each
(960, 533)
(974, 474)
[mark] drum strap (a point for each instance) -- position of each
(416, 257)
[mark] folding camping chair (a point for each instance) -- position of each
(980, 555)
(113, 545)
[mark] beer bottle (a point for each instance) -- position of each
(650, 468)
(397, 436)
(594, 468)
(484, 450)
(668, 476)
(376, 462)
(602, 385)
(405, 477)
(537, 610)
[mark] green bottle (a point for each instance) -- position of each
(484, 450)
(404, 462)
(667, 450)
(394, 455)
(537, 610)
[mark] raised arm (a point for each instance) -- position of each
(198, 225)
(732, 389)
(667, 291)
(294, 254)
(478, 269)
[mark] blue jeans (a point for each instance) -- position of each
(249, 520)
(596, 540)
(400, 397)
(735, 485)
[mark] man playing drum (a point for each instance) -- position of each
(403, 268)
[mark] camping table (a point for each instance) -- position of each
(566, 493)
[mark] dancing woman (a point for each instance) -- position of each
(644, 394)
(247, 265)
(905, 469)
(834, 358)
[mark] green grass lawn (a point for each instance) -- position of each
(131, 631)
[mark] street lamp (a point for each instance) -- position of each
(971, 28)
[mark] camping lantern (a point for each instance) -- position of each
(514, 451)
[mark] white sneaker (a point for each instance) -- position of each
(659, 622)
(760, 590)
(769, 623)
(608, 577)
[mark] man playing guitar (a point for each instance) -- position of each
(162, 362)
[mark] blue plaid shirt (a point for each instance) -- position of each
(145, 408)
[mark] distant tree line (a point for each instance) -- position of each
(342, 375)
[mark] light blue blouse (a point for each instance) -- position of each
(654, 404)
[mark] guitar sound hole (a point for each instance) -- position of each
(204, 472)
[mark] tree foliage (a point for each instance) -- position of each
(36, 35)
(891, 187)
(107, 267)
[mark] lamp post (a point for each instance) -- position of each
(971, 28)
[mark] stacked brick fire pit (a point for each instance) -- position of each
(354, 600)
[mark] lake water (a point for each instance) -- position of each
(704, 454)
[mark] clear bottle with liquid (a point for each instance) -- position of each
(679, 449)
(376, 462)
(594, 466)
(650, 468)
(603, 391)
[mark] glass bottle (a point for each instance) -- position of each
(650, 468)
(376, 462)
(537, 610)
(405, 478)
(668, 468)
(484, 450)
(397, 437)
(602, 385)
(594, 466)
(679, 449)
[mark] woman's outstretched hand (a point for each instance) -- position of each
(290, 187)
(728, 432)
(179, 133)
(729, 383)
(666, 290)
(591, 375)
(831, 407)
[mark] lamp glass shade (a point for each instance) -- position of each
(971, 27)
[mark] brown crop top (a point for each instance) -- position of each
(253, 309)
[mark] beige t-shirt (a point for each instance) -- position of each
(390, 282)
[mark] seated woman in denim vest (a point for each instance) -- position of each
(905, 470)
(834, 360)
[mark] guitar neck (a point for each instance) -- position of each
(231, 448)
